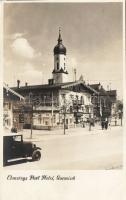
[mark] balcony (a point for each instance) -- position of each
(78, 102)
(45, 108)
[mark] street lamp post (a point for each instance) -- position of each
(31, 103)
(31, 121)
(64, 122)
(64, 113)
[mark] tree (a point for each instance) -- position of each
(119, 106)
(119, 110)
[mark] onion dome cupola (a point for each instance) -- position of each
(60, 65)
(59, 48)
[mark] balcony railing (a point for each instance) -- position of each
(78, 102)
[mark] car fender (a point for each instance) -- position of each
(37, 148)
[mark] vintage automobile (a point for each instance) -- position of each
(14, 147)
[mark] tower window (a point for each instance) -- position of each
(64, 58)
(57, 65)
(64, 66)
(57, 58)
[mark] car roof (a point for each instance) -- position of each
(12, 134)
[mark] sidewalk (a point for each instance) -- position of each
(39, 135)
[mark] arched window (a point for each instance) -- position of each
(82, 100)
(57, 65)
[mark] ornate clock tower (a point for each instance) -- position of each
(60, 74)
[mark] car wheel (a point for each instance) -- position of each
(36, 155)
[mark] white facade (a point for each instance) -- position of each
(49, 121)
(9, 101)
(60, 62)
(60, 77)
(71, 96)
(72, 100)
(7, 116)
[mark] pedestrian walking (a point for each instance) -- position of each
(89, 126)
(91, 123)
(83, 124)
(106, 123)
(103, 123)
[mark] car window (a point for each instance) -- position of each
(17, 138)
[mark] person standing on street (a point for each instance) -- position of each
(106, 123)
(102, 123)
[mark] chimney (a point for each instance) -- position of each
(18, 83)
(26, 84)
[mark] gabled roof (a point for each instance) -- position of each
(99, 88)
(44, 86)
(110, 95)
(12, 92)
(80, 82)
(67, 85)
(96, 86)
(112, 92)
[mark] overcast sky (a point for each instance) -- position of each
(91, 32)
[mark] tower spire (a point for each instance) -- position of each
(59, 30)
(60, 38)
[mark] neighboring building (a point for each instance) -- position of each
(104, 103)
(113, 96)
(11, 99)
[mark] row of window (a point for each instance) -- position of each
(46, 121)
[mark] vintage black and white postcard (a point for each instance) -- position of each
(63, 99)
